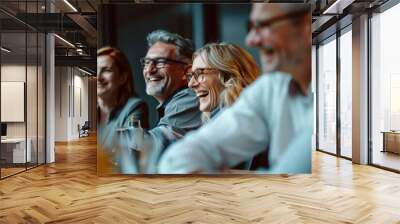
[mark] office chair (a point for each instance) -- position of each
(84, 130)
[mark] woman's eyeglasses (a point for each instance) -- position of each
(199, 74)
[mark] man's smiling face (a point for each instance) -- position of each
(162, 82)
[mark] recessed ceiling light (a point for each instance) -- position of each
(5, 49)
(84, 71)
(70, 5)
(338, 6)
(65, 41)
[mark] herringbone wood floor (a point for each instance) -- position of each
(69, 191)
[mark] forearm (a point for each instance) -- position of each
(223, 142)
(156, 141)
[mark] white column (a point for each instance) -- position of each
(360, 90)
(62, 103)
(50, 94)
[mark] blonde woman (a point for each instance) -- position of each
(220, 72)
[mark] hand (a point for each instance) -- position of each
(130, 137)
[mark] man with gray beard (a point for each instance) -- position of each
(164, 70)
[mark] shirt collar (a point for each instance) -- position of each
(113, 114)
(294, 89)
(160, 107)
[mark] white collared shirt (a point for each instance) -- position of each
(265, 115)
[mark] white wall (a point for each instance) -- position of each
(13, 101)
(61, 103)
(71, 93)
(12, 73)
(80, 102)
(33, 126)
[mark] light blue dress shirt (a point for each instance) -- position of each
(266, 115)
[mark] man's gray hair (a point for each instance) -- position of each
(184, 46)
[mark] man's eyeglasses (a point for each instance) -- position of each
(199, 74)
(269, 22)
(159, 62)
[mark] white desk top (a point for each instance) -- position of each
(13, 140)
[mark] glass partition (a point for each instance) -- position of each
(22, 67)
(41, 109)
(346, 92)
(31, 98)
(13, 109)
(385, 89)
(327, 95)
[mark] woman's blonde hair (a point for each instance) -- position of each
(237, 68)
(124, 69)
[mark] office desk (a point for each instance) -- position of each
(391, 141)
(13, 150)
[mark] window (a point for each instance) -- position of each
(346, 93)
(385, 88)
(327, 96)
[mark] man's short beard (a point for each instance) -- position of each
(271, 66)
(156, 91)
